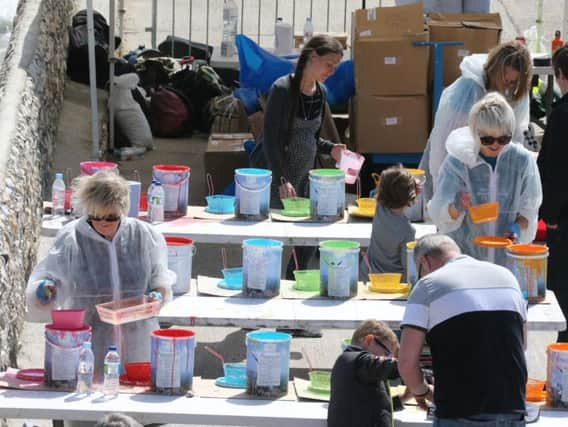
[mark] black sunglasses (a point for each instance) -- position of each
(490, 140)
(106, 218)
(384, 347)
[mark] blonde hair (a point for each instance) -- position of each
(492, 112)
(377, 329)
(514, 55)
(105, 190)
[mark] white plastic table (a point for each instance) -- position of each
(188, 310)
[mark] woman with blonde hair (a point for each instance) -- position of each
(507, 69)
(100, 257)
(483, 166)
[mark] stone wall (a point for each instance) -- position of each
(31, 94)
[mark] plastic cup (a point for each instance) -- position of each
(296, 206)
(367, 203)
(307, 280)
(320, 381)
(68, 319)
(138, 371)
(351, 163)
(233, 276)
(235, 372)
(220, 204)
(535, 390)
(382, 281)
(485, 212)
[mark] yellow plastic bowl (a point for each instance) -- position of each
(382, 281)
(367, 203)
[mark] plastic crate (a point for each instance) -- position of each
(128, 309)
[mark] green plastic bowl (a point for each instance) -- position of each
(307, 280)
(296, 206)
(320, 381)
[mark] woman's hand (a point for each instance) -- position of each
(523, 222)
(286, 190)
(337, 150)
(463, 201)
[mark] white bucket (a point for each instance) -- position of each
(557, 375)
(180, 255)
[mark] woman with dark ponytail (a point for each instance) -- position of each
(293, 118)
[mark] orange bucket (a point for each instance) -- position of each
(492, 242)
(486, 212)
(535, 390)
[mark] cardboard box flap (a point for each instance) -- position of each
(482, 25)
(473, 20)
(388, 21)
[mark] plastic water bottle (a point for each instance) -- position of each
(308, 30)
(85, 369)
(156, 201)
(58, 195)
(111, 372)
(230, 22)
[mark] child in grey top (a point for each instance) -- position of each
(391, 231)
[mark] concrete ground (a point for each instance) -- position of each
(517, 15)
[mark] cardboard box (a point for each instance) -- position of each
(390, 124)
(224, 154)
(479, 32)
(386, 61)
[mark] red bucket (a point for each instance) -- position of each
(175, 182)
(90, 168)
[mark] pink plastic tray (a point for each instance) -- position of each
(128, 309)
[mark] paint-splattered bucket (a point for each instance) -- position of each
(262, 264)
(175, 181)
(90, 168)
(172, 359)
(557, 375)
(268, 360)
(252, 193)
(339, 268)
(180, 256)
(61, 359)
(327, 194)
(528, 264)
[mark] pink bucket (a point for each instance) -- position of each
(175, 182)
(90, 168)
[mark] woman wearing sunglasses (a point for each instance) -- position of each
(507, 69)
(485, 165)
(100, 257)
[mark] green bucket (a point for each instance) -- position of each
(307, 280)
(324, 173)
(339, 244)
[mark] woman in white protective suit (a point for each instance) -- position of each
(100, 257)
(507, 69)
(483, 165)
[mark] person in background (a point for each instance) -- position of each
(101, 257)
(360, 392)
(451, 6)
(552, 166)
(483, 166)
(507, 69)
(391, 230)
(473, 315)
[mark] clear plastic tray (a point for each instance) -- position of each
(128, 309)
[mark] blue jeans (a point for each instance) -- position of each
(482, 420)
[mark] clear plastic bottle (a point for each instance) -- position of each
(85, 369)
(111, 372)
(156, 202)
(58, 195)
(230, 23)
(68, 190)
(308, 30)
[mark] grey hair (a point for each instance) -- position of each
(105, 190)
(491, 113)
(117, 420)
(437, 246)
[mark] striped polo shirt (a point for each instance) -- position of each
(473, 314)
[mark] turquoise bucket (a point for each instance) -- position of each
(327, 194)
(268, 363)
(172, 360)
(252, 193)
(339, 268)
(262, 263)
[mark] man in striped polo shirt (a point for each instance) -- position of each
(473, 316)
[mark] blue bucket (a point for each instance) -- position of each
(339, 268)
(268, 363)
(262, 263)
(220, 204)
(252, 193)
(327, 194)
(172, 359)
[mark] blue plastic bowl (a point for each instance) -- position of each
(233, 277)
(221, 204)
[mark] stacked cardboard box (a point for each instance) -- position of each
(390, 111)
(225, 153)
(478, 32)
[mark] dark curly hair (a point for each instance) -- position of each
(397, 188)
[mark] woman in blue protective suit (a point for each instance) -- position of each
(100, 257)
(507, 69)
(484, 165)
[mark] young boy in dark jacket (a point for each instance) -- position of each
(360, 394)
